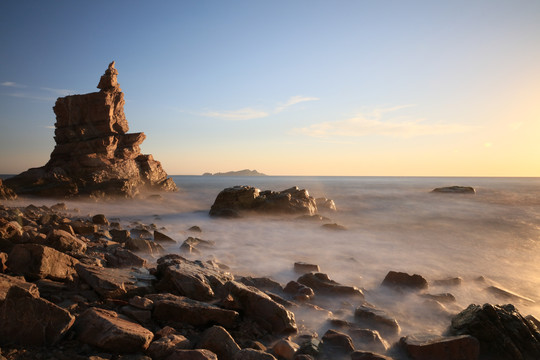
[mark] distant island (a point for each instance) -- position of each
(245, 172)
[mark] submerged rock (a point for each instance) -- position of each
(462, 347)
(455, 190)
(231, 202)
(501, 330)
(94, 155)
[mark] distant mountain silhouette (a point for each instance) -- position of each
(245, 172)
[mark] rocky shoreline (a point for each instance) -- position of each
(76, 287)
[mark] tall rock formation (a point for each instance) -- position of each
(94, 155)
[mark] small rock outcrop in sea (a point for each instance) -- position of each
(245, 172)
(94, 155)
(233, 201)
(455, 190)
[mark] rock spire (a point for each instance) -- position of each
(94, 155)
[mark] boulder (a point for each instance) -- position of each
(253, 354)
(116, 283)
(30, 320)
(7, 281)
(370, 317)
(368, 355)
(507, 294)
(231, 202)
(303, 267)
(325, 204)
(120, 236)
(260, 307)
(94, 155)
(65, 242)
(143, 246)
(120, 257)
(196, 354)
(100, 219)
(455, 190)
(463, 347)
(219, 341)
(299, 291)
(403, 281)
(161, 348)
(105, 330)
(161, 237)
(170, 308)
(285, 349)
(194, 279)
(501, 330)
(368, 339)
(335, 342)
(37, 262)
(6, 193)
(322, 285)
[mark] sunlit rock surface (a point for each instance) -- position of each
(94, 155)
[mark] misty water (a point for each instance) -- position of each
(393, 223)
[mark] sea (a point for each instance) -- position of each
(491, 238)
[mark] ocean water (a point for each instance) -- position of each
(393, 223)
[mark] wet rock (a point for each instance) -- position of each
(404, 281)
(455, 281)
(65, 242)
(37, 262)
(6, 193)
(321, 284)
(100, 219)
(260, 307)
(253, 354)
(507, 294)
(179, 309)
(299, 291)
(143, 246)
(262, 283)
(195, 228)
(303, 267)
(368, 339)
(233, 201)
(120, 236)
(7, 281)
(533, 320)
(84, 228)
(455, 190)
(325, 204)
(94, 155)
(141, 303)
(28, 319)
(309, 345)
(334, 226)
(197, 354)
(219, 341)
(161, 237)
(120, 257)
(194, 279)
(116, 283)
(428, 347)
(442, 298)
(501, 330)
(335, 342)
(161, 348)
(368, 355)
(285, 349)
(370, 317)
(196, 242)
(105, 330)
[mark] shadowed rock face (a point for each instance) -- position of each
(94, 155)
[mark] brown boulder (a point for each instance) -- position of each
(403, 281)
(37, 262)
(27, 319)
(373, 318)
(7, 282)
(428, 347)
(161, 348)
(368, 355)
(197, 354)
(219, 341)
(454, 190)
(253, 354)
(120, 257)
(336, 342)
(64, 242)
(321, 284)
(170, 308)
(161, 237)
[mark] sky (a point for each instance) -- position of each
(301, 87)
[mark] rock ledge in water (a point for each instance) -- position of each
(455, 190)
(94, 155)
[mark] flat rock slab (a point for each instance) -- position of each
(455, 190)
(38, 262)
(105, 330)
(26, 319)
(179, 309)
(323, 285)
(6, 282)
(115, 283)
(403, 281)
(260, 307)
(373, 318)
(428, 347)
(193, 279)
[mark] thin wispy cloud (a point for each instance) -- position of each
(12, 84)
(376, 122)
(34, 93)
(61, 92)
(293, 101)
(249, 113)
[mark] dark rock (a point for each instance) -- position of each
(29, 320)
(334, 226)
(507, 294)
(94, 155)
(141, 303)
(37, 262)
(197, 354)
(195, 228)
(65, 242)
(463, 347)
(456, 281)
(219, 341)
(336, 342)
(442, 298)
(299, 291)
(161, 348)
(367, 355)
(404, 281)
(262, 283)
(143, 317)
(309, 346)
(253, 354)
(161, 237)
(501, 330)
(194, 279)
(179, 309)
(321, 284)
(285, 349)
(303, 267)
(260, 307)
(373, 318)
(455, 190)
(120, 236)
(143, 246)
(3, 262)
(233, 201)
(6, 193)
(121, 257)
(84, 228)
(105, 330)
(368, 339)
(100, 219)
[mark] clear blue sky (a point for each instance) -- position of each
(286, 87)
